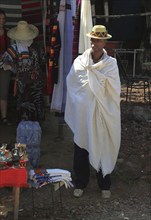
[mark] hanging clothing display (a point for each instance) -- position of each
(53, 44)
(56, 102)
(32, 13)
(17, 10)
(76, 31)
(29, 80)
(85, 25)
(59, 36)
(68, 45)
(54, 51)
(65, 59)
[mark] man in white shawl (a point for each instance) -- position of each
(93, 112)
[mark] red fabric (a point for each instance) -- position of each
(15, 87)
(50, 78)
(32, 13)
(2, 43)
(12, 177)
(53, 50)
(2, 40)
(32, 5)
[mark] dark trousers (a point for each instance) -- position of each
(81, 168)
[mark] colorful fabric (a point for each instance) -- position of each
(65, 59)
(56, 102)
(13, 11)
(32, 13)
(29, 133)
(41, 177)
(76, 32)
(29, 83)
(52, 43)
(53, 52)
(29, 10)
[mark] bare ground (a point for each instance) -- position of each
(131, 179)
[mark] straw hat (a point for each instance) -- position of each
(99, 32)
(23, 31)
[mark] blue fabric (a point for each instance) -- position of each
(29, 133)
(68, 45)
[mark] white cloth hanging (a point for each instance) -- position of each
(65, 58)
(85, 25)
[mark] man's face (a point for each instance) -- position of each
(2, 20)
(97, 44)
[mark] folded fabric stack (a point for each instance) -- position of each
(41, 177)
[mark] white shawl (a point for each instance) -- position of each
(93, 109)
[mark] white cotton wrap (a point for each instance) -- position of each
(93, 109)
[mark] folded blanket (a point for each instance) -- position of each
(41, 177)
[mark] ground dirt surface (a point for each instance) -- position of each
(131, 179)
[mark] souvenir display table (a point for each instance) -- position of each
(20, 177)
(14, 173)
(16, 178)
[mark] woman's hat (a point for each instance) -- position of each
(23, 31)
(99, 32)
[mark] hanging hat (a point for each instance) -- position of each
(23, 31)
(99, 32)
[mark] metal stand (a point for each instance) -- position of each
(54, 203)
(130, 51)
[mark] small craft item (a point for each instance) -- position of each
(15, 157)
(5, 155)
(22, 151)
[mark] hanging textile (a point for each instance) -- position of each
(32, 13)
(54, 51)
(65, 59)
(76, 31)
(29, 10)
(53, 44)
(12, 10)
(73, 8)
(85, 25)
(44, 17)
(68, 45)
(56, 102)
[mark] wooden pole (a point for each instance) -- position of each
(16, 191)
